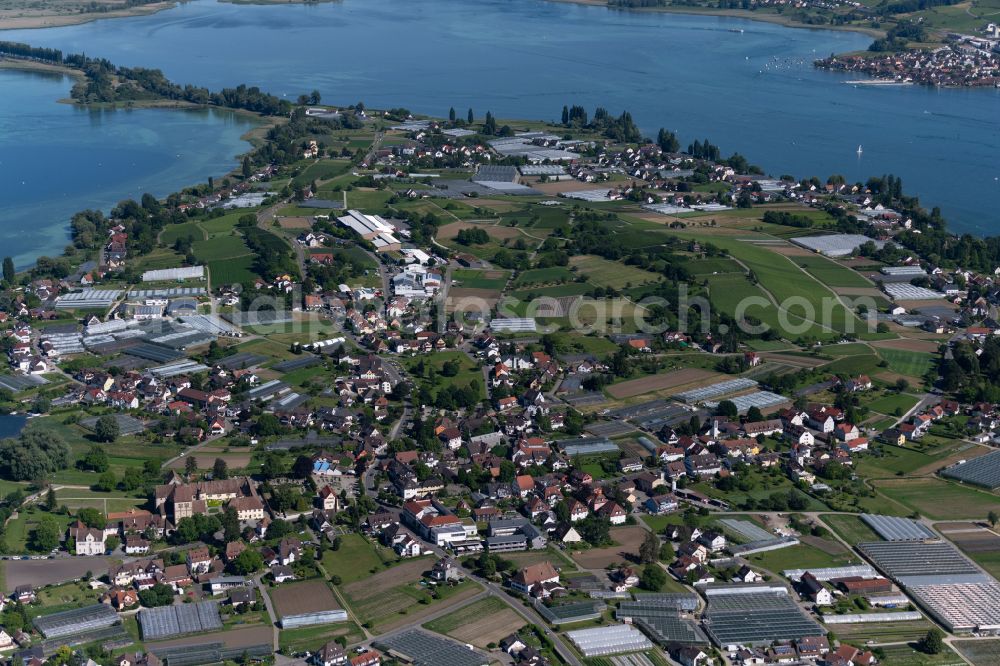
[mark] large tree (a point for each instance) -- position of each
(107, 429)
(246, 563)
(33, 455)
(933, 641)
(91, 517)
(95, 460)
(45, 536)
(9, 274)
(653, 578)
(158, 595)
(650, 548)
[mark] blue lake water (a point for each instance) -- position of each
(56, 159)
(754, 91)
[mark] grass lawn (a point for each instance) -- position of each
(909, 363)
(431, 376)
(127, 453)
(851, 529)
(939, 499)
(890, 403)
(355, 559)
(894, 460)
(765, 486)
(66, 596)
(18, 531)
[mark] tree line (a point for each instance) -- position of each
(106, 82)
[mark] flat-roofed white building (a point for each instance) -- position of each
(372, 228)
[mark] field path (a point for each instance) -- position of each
(774, 301)
(270, 610)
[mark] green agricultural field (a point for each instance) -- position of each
(603, 273)
(889, 404)
(989, 560)
(850, 528)
(322, 170)
(368, 200)
(462, 616)
(854, 365)
(731, 290)
(803, 556)
(712, 265)
(980, 653)
(939, 499)
(909, 363)
(216, 226)
(543, 276)
(655, 657)
(232, 271)
(882, 632)
(159, 258)
(588, 344)
(910, 655)
(538, 217)
(830, 272)
(848, 349)
(219, 248)
(477, 279)
(785, 280)
(313, 638)
(172, 232)
(569, 289)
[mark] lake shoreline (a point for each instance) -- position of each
(63, 20)
(40, 67)
(252, 138)
(264, 123)
(728, 13)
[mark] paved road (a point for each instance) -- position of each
(191, 452)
